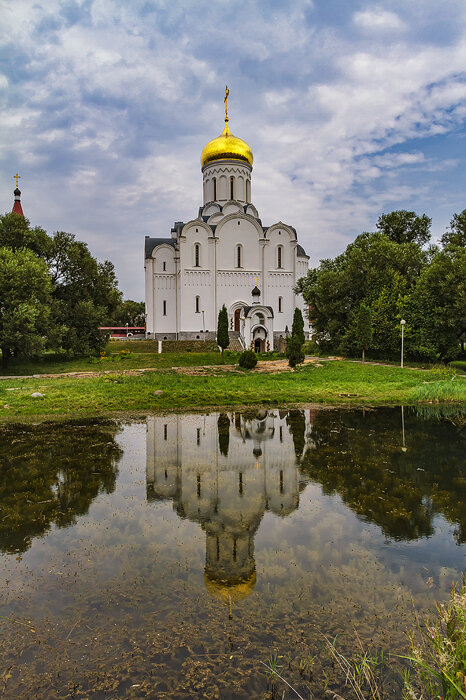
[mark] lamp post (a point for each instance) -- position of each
(203, 326)
(403, 322)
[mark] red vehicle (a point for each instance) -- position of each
(117, 332)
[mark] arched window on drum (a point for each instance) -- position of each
(279, 256)
(197, 255)
(239, 256)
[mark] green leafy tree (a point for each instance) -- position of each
(129, 312)
(223, 339)
(297, 329)
(294, 351)
(405, 227)
(84, 292)
(364, 328)
(25, 289)
(16, 233)
(437, 307)
(457, 233)
(373, 270)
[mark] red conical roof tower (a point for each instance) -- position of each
(17, 208)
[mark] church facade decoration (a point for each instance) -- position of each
(224, 256)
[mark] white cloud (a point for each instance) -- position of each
(113, 111)
(378, 20)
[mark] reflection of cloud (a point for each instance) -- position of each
(132, 92)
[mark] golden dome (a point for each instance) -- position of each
(233, 592)
(226, 147)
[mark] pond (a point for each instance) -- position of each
(171, 556)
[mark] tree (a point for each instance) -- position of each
(25, 289)
(457, 233)
(297, 328)
(223, 339)
(405, 227)
(437, 307)
(84, 292)
(129, 312)
(16, 233)
(373, 270)
(364, 328)
(294, 351)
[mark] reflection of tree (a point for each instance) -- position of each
(223, 425)
(357, 454)
(296, 422)
(51, 473)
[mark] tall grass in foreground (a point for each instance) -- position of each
(437, 656)
(438, 653)
(448, 390)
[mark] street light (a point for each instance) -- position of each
(203, 326)
(403, 322)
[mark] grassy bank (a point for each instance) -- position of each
(115, 359)
(337, 382)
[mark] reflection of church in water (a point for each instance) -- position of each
(224, 471)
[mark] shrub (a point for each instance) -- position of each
(247, 359)
(294, 351)
(297, 328)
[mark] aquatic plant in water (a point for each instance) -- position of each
(438, 653)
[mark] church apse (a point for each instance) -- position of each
(225, 471)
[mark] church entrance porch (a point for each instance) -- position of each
(259, 339)
(237, 319)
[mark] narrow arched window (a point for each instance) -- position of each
(164, 307)
(215, 188)
(239, 256)
(198, 305)
(197, 254)
(280, 256)
(248, 191)
(280, 305)
(232, 187)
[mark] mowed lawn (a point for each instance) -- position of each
(333, 382)
(113, 360)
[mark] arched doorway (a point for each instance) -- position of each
(237, 319)
(259, 337)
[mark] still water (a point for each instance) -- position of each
(167, 557)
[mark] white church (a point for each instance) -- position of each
(224, 256)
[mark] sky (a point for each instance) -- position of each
(352, 108)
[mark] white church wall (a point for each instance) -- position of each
(283, 237)
(234, 230)
(164, 304)
(164, 259)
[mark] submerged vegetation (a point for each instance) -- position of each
(114, 532)
(438, 652)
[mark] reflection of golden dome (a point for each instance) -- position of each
(226, 147)
(224, 592)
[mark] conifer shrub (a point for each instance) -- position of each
(248, 359)
(294, 351)
(297, 328)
